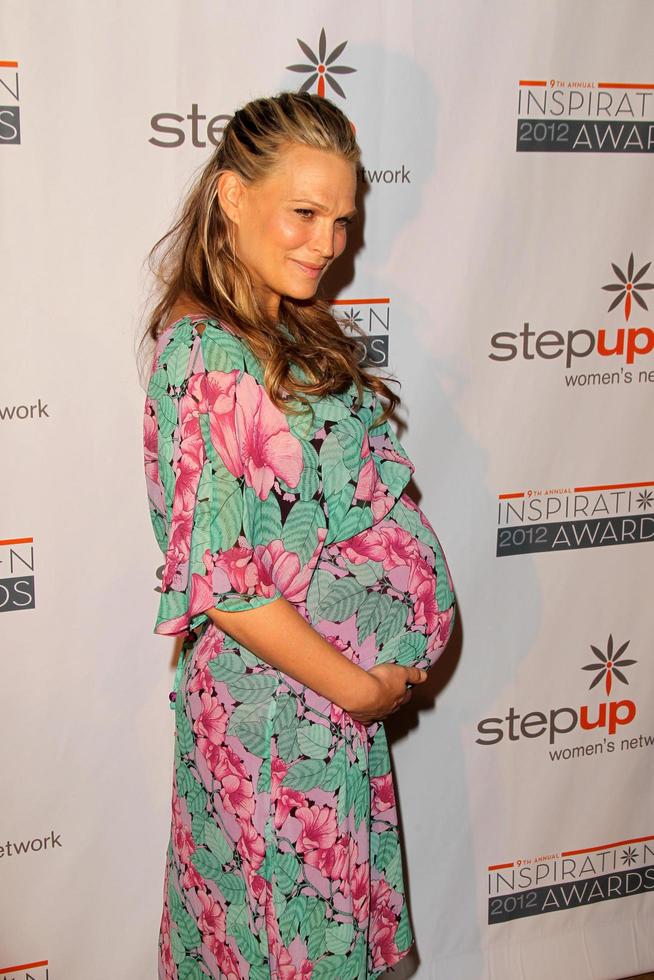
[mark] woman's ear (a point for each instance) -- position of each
(230, 194)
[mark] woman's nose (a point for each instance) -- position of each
(324, 239)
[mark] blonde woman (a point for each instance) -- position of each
(311, 592)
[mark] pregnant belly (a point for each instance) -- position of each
(386, 595)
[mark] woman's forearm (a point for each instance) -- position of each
(277, 634)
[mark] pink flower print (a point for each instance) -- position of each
(184, 843)
(366, 546)
(211, 723)
(319, 827)
(332, 862)
(241, 571)
(281, 569)
(382, 938)
(286, 968)
(278, 770)
(219, 390)
(422, 586)
(226, 960)
(236, 789)
(166, 951)
(368, 477)
(286, 800)
(203, 654)
(383, 793)
(192, 878)
(251, 845)
(268, 448)
(359, 886)
(178, 550)
(401, 547)
(150, 442)
(211, 920)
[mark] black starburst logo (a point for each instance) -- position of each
(610, 665)
(322, 66)
(645, 498)
(628, 286)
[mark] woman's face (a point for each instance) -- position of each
(292, 224)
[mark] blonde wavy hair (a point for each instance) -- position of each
(196, 259)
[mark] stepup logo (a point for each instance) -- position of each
(621, 347)
(10, 96)
(606, 718)
(325, 68)
(372, 315)
(36, 970)
(585, 117)
(16, 574)
(568, 518)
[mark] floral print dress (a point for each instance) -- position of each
(284, 859)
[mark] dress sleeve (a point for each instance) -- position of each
(235, 500)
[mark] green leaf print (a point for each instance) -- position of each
(286, 870)
(227, 667)
(185, 781)
(330, 967)
(395, 475)
(393, 620)
(262, 519)
(222, 351)
(228, 520)
(316, 941)
(158, 385)
(305, 774)
(231, 886)
(300, 532)
(362, 803)
(190, 969)
(188, 930)
(335, 474)
(355, 968)
(252, 688)
(167, 477)
(264, 778)
(198, 822)
(321, 583)
(314, 740)
(369, 615)
(285, 713)
(177, 947)
(206, 864)
(254, 738)
(166, 415)
(177, 357)
(336, 769)
(388, 847)
(217, 843)
(404, 934)
(247, 944)
(358, 519)
(405, 649)
(369, 572)
(342, 601)
(394, 871)
(314, 916)
(444, 595)
(379, 762)
(183, 725)
(339, 936)
(339, 505)
(291, 917)
(350, 433)
(287, 746)
(196, 800)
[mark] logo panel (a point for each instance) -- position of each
(16, 574)
(585, 117)
(10, 108)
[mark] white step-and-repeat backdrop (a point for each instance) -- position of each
(504, 276)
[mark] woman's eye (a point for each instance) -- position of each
(304, 212)
(344, 222)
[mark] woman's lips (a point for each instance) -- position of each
(313, 271)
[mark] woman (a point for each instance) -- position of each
(312, 592)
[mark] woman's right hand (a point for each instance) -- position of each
(385, 691)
